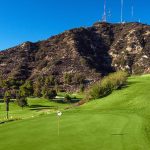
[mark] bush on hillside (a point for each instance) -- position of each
(78, 78)
(109, 83)
(68, 77)
(82, 87)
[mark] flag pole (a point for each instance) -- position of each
(58, 126)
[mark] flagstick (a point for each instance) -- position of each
(58, 125)
(59, 113)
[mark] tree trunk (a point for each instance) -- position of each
(7, 110)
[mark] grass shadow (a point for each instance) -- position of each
(64, 102)
(41, 107)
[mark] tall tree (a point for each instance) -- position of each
(7, 97)
(37, 88)
(27, 88)
(21, 99)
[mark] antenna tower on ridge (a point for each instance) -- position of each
(132, 10)
(121, 11)
(104, 18)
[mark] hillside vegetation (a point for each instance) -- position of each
(120, 121)
(79, 56)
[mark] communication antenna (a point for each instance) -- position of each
(109, 14)
(121, 11)
(104, 18)
(139, 20)
(132, 11)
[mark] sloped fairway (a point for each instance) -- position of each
(120, 121)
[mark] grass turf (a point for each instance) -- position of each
(120, 121)
(37, 106)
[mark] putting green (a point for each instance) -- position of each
(120, 121)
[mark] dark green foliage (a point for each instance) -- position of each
(109, 83)
(21, 99)
(50, 81)
(74, 78)
(43, 92)
(10, 83)
(3, 57)
(68, 78)
(22, 94)
(82, 87)
(83, 61)
(6, 84)
(67, 98)
(49, 93)
(37, 88)
(43, 85)
(27, 89)
(7, 97)
(78, 78)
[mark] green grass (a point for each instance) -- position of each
(37, 106)
(72, 95)
(120, 121)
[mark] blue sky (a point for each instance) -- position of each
(33, 20)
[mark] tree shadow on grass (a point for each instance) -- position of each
(128, 84)
(73, 100)
(132, 82)
(41, 107)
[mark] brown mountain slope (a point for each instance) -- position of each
(92, 51)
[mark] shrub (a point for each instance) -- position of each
(109, 83)
(27, 88)
(50, 81)
(49, 93)
(78, 78)
(21, 99)
(67, 98)
(82, 87)
(37, 87)
(68, 77)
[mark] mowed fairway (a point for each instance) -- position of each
(120, 121)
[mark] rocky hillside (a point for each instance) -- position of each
(91, 52)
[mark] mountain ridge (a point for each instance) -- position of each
(91, 52)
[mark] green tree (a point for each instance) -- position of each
(49, 93)
(78, 78)
(21, 99)
(68, 78)
(49, 81)
(37, 88)
(7, 97)
(27, 89)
